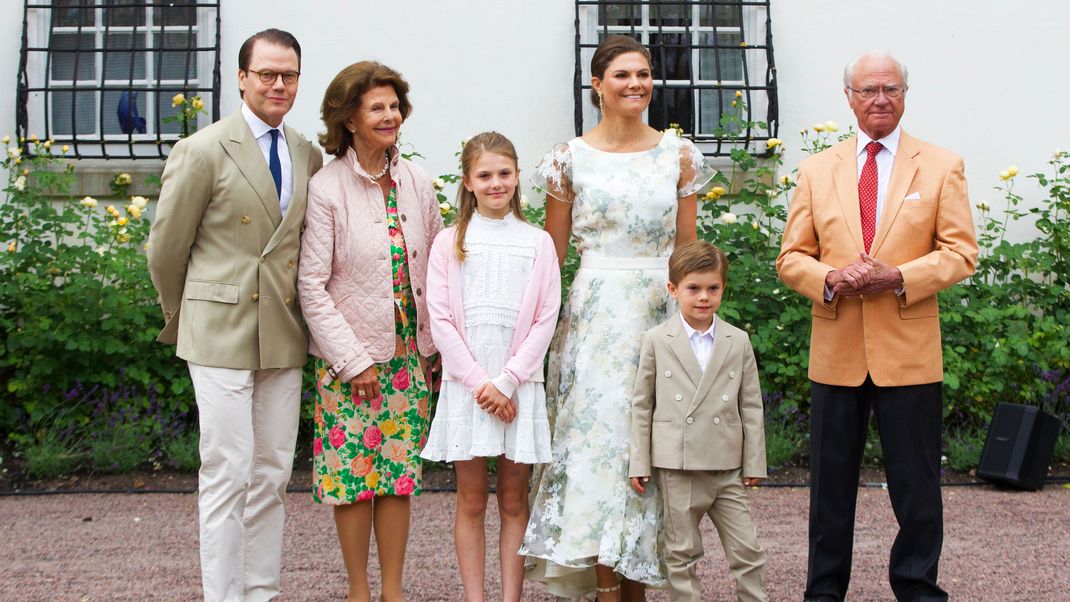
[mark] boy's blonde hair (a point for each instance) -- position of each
(696, 256)
(486, 142)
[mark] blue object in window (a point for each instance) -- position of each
(129, 120)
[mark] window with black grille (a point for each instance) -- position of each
(704, 52)
(101, 75)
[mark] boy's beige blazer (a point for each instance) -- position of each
(925, 229)
(687, 419)
(222, 256)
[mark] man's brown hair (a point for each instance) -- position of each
(696, 256)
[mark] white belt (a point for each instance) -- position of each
(623, 263)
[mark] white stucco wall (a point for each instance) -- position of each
(984, 80)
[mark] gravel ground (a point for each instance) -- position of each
(999, 545)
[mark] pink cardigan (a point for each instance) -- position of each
(535, 322)
(344, 277)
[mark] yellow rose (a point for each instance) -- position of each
(65, 148)
(47, 144)
(123, 179)
(6, 139)
(832, 126)
(328, 483)
(88, 202)
(983, 206)
(1013, 170)
(122, 221)
(388, 427)
(139, 201)
(197, 103)
(11, 247)
(785, 180)
(122, 238)
(739, 93)
(1005, 175)
(718, 190)
(728, 218)
(13, 152)
(733, 103)
(773, 143)
(372, 479)
(34, 138)
(819, 127)
(178, 99)
(133, 211)
(112, 211)
(438, 183)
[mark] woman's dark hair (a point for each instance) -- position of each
(609, 49)
(343, 96)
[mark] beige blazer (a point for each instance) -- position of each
(221, 255)
(926, 230)
(687, 419)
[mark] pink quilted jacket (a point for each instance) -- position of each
(344, 281)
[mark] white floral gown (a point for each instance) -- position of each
(624, 226)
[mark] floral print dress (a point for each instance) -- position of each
(363, 449)
(624, 225)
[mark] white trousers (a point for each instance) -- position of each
(248, 424)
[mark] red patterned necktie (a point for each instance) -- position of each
(867, 193)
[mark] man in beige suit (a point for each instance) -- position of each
(223, 256)
(697, 425)
(878, 225)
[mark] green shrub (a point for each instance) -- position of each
(182, 452)
(51, 456)
(78, 313)
(123, 448)
(964, 449)
(784, 443)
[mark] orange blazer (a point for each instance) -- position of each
(928, 236)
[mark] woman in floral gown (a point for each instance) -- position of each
(626, 194)
(370, 222)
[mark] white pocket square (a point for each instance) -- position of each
(913, 197)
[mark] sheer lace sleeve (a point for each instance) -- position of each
(694, 172)
(554, 173)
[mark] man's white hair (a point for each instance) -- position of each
(849, 70)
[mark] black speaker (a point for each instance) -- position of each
(1019, 447)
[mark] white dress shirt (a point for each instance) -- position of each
(262, 133)
(885, 159)
(701, 342)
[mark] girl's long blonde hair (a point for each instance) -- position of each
(486, 142)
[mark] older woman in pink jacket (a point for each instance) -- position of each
(370, 222)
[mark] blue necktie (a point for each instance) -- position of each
(274, 164)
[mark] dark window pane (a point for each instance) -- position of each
(74, 113)
(120, 13)
(720, 16)
(712, 104)
(71, 13)
(111, 106)
(670, 54)
(64, 56)
(669, 14)
(176, 13)
(120, 60)
(621, 15)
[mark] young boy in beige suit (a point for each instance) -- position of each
(697, 426)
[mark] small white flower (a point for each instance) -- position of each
(7, 140)
(139, 201)
(101, 250)
(20, 183)
(728, 218)
(438, 183)
(88, 202)
(14, 152)
(831, 126)
(523, 200)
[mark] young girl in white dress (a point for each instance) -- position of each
(493, 293)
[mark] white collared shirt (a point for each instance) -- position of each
(261, 132)
(701, 342)
(885, 159)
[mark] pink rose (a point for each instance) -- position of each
(337, 436)
(404, 485)
(365, 495)
(377, 404)
(317, 446)
(401, 379)
(373, 437)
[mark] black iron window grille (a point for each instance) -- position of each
(704, 52)
(101, 75)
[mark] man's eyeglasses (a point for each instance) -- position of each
(268, 78)
(868, 93)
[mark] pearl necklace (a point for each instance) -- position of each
(386, 167)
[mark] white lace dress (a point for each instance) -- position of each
(499, 259)
(624, 225)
